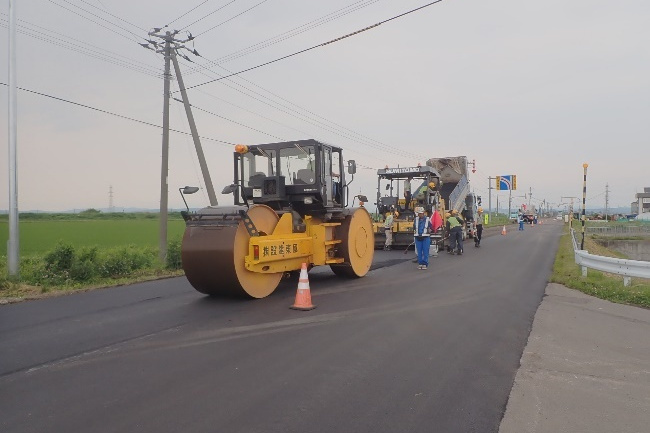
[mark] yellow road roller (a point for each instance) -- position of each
(290, 207)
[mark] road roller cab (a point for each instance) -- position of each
(306, 176)
(290, 208)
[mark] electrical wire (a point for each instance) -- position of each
(108, 13)
(232, 121)
(191, 10)
(339, 130)
(93, 51)
(95, 22)
(332, 16)
(121, 116)
(230, 19)
(319, 45)
(207, 15)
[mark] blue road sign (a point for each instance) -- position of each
(505, 183)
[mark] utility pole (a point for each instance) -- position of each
(509, 202)
(490, 188)
(530, 195)
(170, 50)
(570, 209)
(606, 201)
(584, 203)
(164, 171)
(14, 235)
(110, 198)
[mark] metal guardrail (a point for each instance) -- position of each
(631, 229)
(624, 267)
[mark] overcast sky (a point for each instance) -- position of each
(532, 88)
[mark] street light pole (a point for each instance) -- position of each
(490, 195)
(14, 241)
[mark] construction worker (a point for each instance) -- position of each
(455, 229)
(422, 228)
(407, 192)
(388, 229)
(421, 194)
(479, 228)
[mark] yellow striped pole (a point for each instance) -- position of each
(584, 200)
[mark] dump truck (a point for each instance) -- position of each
(424, 184)
(455, 190)
(290, 207)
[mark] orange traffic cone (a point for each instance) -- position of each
(503, 231)
(303, 295)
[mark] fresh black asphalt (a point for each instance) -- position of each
(400, 350)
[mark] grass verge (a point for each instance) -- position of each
(599, 284)
(67, 269)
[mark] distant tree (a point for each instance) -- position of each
(90, 212)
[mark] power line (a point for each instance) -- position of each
(121, 116)
(95, 22)
(232, 121)
(290, 109)
(108, 13)
(319, 45)
(293, 32)
(94, 51)
(207, 15)
(191, 10)
(231, 18)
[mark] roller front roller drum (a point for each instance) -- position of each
(218, 250)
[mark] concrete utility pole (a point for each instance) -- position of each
(570, 208)
(490, 195)
(170, 50)
(13, 243)
(164, 171)
(606, 201)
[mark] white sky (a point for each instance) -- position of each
(532, 88)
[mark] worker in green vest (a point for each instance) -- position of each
(455, 230)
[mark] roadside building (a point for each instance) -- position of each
(642, 203)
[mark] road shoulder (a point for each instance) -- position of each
(586, 368)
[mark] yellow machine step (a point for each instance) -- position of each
(334, 261)
(330, 224)
(334, 242)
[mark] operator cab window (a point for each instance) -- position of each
(298, 165)
(256, 165)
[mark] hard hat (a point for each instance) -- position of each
(447, 215)
(419, 209)
(387, 213)
(454, 212)
(480, 209)
(396, 213)
(432, 185)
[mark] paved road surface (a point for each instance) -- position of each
(399, 350)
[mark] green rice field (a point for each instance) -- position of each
(39, 237)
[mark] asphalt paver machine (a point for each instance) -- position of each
(424, 185)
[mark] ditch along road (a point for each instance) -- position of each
(401, 349)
